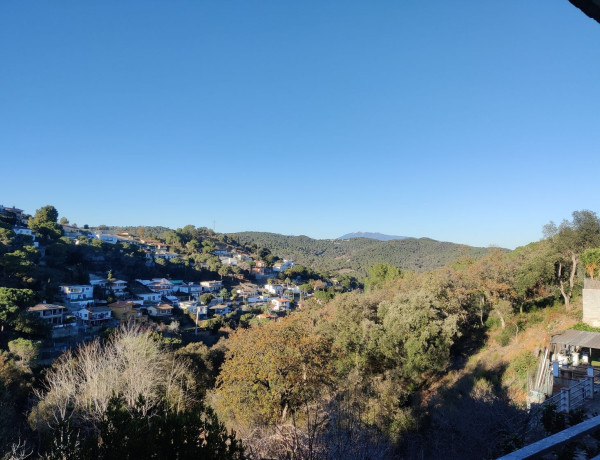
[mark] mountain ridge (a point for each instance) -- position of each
(371, 235)
(355, 256)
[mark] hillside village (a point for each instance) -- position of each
(226, 283)
(413, 345)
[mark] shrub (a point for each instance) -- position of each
(522, 364)
(507, 334)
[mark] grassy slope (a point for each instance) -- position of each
(499, 360)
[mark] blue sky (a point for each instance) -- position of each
(464, 121)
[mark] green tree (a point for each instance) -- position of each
(417, 334)
(245, 320)
(569, 240)
(83, 240)
(131, 434)
(265, 378)
(493, 285)
(13, 300)
(26, 350)
(63, 221)
(208, 246)
(15, 387)
(44, 223)
(172, 239)
(193, 246)
(237, 271)
(224, 271)
(381, 274)
(19, 266)
(206, 298)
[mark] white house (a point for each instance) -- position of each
(166, 255)
(185, 305)
(276, 289)
(161, 286)
(148, 296)
(94, 316)
(294, 289)
(257, 299)
(106, 238)
(119, 287)
(98, 280)
(26, 231)
(220, 309)
(78, 294)
(193, 307)
(200, 310)
(279, 304)
(211, 286)
(282, 266)
(229, 260)
(191, 288)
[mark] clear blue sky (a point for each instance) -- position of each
(465, 121)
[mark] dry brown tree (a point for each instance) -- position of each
(131, 364)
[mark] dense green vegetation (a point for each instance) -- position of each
(359, 374)
(358, 254)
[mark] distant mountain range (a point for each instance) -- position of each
(372, 235)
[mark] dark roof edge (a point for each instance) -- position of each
(588, 7)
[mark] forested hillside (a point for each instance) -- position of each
(400, 369)
(358, 254)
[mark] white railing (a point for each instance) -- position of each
(573, 397)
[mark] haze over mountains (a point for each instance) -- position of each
(372, 235)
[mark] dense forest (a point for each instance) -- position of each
(356, 255)
(364, 375)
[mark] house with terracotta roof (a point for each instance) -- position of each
(127, 312)
(121, 308)
(50, 313)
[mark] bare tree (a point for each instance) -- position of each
(19, 451)
(131, 364)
